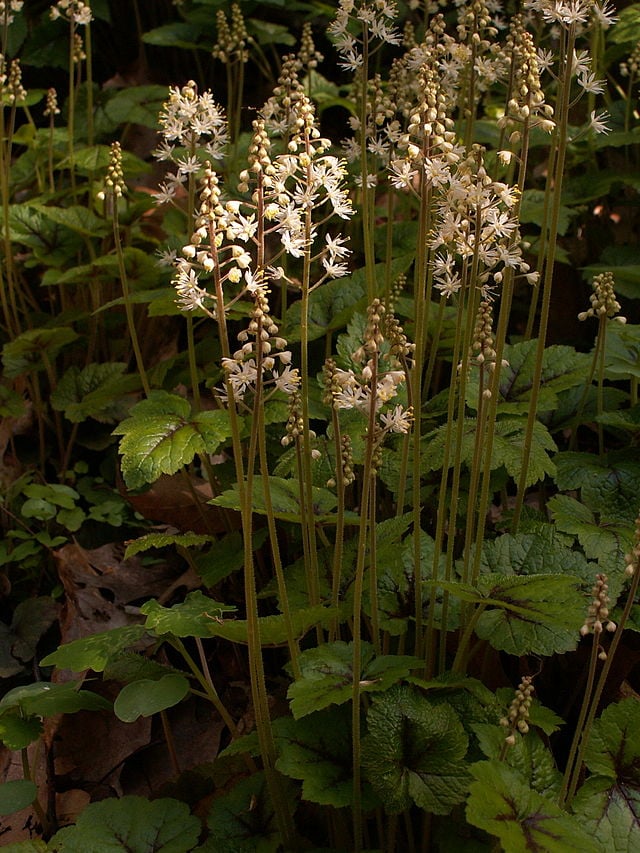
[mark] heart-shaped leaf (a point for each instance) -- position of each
(414, 752)
(133, 824)
(163, 434)
(502, 803)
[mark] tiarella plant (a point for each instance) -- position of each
(403, 508)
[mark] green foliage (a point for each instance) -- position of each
(94, 652)
(163, 434)
(503, 804)
(133, 824)
(146, 697)
(317, 750)
(506, 450)
(414, 752)
(17, 795)
(18, 641)
(528, 756)
(195, 617)
(526, 614)
(327, 675)
(93, 392)
(285, 498)
(35, 349)
(243, 820)
(442, 557)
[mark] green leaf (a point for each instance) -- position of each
(507, 448)
(44, 700)
(613, 749)
(414, 752)
(327, 675)
(606, 542)
(163, 434)
(533, 614)
(92, 392)
(94, 159)
(132, 824)
(562, 368)
(610, 812)
(608, 485)
(317, 750)
(49, 242)
(533, 554)
(26, 847)
(128, 667)
(532, 210)
(627, 28)
(502, 803)
(134, 105)
(194, 617)
(176, 34)
(273, 629)
(146, 697)
(17, 795)
(528, 755)
(30, 350)
(332, 306)
(622, 352)
(17, 732)
(243, 821)
(31, 618)
(75, 218)
(94, 652)
(166, 540)
(285, 497)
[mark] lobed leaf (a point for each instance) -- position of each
(414, 752)
(327, 675)
(502, 803)
(94, 652)
(133, 824)
(194, 617)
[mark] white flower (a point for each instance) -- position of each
(590, 83)
(336, 246)
(597, 123)
(399, 420)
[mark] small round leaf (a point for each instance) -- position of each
(146, 697)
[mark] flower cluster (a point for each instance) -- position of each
(114, 185)
(74, 11)
(603, 299)
(8, 9)
(304, 181)
(579, 14)
(51, 106)
(232, 37)
(376, 383)
(376, 18)
(11, 89)
(189, 122)
(476, 218)
(527, 103)
(262, 354)
(632, 559)
(517, 719)
(597, 619)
